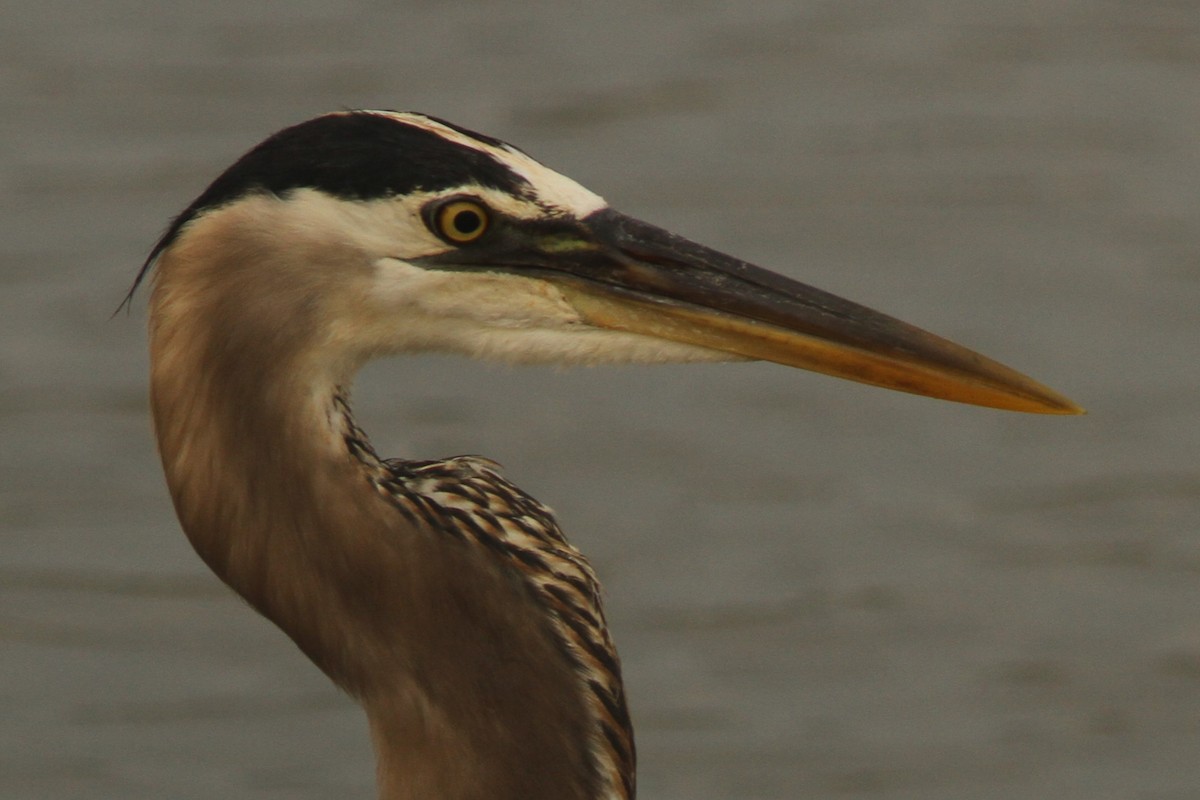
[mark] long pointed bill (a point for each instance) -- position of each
(622, 274)
(646, 280)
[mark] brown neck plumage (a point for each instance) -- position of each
(468, 692)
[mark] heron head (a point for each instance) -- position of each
(369, 232)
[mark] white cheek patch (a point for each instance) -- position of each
(392, 226)
(498, 316)
(492, 299)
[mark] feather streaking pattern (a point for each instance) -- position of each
(467, 497)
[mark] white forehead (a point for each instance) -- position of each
(551, 188)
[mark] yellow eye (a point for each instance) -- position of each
(461, 221)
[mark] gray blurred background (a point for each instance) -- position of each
(818, 589)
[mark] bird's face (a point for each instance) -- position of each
(462, 243)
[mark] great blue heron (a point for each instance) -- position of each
(440, 596)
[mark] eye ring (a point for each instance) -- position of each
(461, 221)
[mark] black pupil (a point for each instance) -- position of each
(467, 222)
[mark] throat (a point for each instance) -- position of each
(459, 662)
(260, 476)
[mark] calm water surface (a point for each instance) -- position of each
(819, 590)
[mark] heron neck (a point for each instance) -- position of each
(467, 691)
